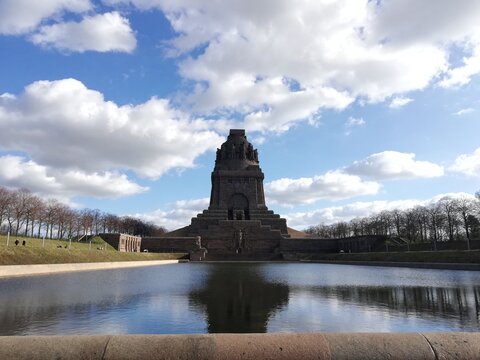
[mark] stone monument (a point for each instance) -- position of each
(237, 220)
(238, 224)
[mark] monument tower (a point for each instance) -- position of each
(237, 220)
(237, 180)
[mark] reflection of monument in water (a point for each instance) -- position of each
(237, 299)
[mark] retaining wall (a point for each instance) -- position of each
(372, 346)
(170, 244)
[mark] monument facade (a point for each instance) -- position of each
(237, 220)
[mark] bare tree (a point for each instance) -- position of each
(62, 217)
(96, 223)
(20, 206)
(51, 209)
(411, 226)
(40, 216)
(397, 218)
(465, 208)
(24, 211)
(88, 217)
(31, 206)
(448, 206)
(385, 218)
(5, 203)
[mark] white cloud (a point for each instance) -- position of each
(347, 182)
(390, 165)
(177, 214)
(349, 49)
(352, 122)
(428, 21)
(461, 75)
(468, 164)
(443, 24)
(18, 172)
(398, 102)
(23, 16)
(105, 32)
(464, 111)
(329, 215)
(355, 122)
(65, 126)
(333, 185)
(274, 66)
(258, 140)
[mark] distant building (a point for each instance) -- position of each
(123, 242)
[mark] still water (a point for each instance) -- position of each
(241, 297)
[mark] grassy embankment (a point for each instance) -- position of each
(449, 256)
(35, 253)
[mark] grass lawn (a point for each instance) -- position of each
(447, 256)
(61, 252)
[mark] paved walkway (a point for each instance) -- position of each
(43, 269)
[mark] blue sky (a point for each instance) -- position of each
(355, 106)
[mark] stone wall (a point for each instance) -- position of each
(251, 237)
(308, 245)
(428, 246)
(170, 244)
(318, 245)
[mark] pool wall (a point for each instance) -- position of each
(45, 269)
(246, 346)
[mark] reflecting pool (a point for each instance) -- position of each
(241, 297)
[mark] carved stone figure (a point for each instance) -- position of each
(242, 151)
(239, 241)
(250, 152)
(231, 151)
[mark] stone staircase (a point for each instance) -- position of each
(219, 236)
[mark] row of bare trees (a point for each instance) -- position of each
(23, 213)
(449, 219)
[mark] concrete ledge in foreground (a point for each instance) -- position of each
(44, 269)
(331, 346)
